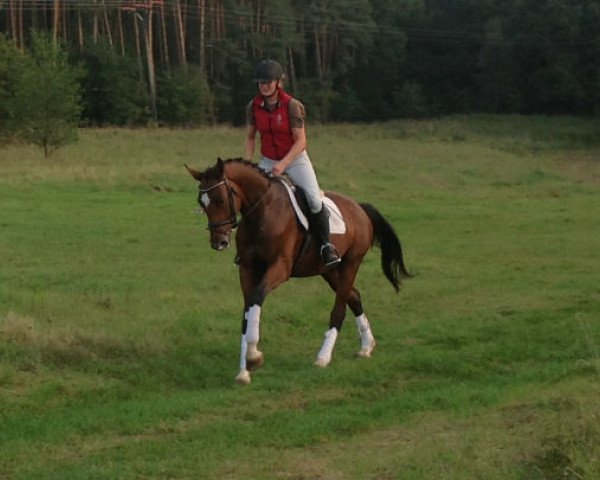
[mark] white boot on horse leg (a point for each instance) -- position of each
(243, 378)
(367, 342)
(254, 357)
(324, 355)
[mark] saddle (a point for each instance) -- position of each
(300, 204)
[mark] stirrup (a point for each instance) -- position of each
(329, 254)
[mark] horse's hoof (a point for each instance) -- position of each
(254, 363)
(321, 362)
(365, 352)
(243, 378)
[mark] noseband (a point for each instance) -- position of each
(233, 221)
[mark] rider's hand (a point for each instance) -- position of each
(278, 169)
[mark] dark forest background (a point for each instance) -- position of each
(191, 62)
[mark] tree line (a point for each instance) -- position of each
(191, 62)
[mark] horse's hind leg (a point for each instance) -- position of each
(342, 281)
(367, 341)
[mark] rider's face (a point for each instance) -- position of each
(267, 88)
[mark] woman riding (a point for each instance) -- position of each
(279, 119)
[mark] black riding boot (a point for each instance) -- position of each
(320, 227)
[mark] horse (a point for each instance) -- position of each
(272, 247)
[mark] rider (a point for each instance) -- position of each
(279, 119)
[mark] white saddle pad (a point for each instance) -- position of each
(336, 221)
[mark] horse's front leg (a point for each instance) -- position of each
(254, 357)
(250, 356)
(255, 291)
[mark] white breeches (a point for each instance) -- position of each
(301, 173)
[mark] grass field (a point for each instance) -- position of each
(119, 326)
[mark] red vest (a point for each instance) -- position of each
(274, 127)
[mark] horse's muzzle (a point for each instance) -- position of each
(219, 241)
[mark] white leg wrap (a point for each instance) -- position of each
(244, 349)
(252, 324)
(367, 342)
(324, 355)
(243, 377)
(253, 332)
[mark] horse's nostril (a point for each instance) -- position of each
(223, 244)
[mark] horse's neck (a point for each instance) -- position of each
(253, 184)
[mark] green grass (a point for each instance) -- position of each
(119, 326)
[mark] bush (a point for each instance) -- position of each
(44, 102)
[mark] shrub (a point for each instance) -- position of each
(44, 104)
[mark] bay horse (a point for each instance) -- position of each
(271, 248)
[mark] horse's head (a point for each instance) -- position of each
(216, 197)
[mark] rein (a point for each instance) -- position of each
(258, 202)
(233, 220)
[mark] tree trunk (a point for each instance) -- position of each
(150, 61)
(120, 31)
(138, 47)
(21, 40)
(56, 22)
(64, 18)
(325, 52)
(165, 39)
(80, 30)
(12, 21)
(34, 15)
(202, 53)
(95, 24)
(107, 25)
(257, 18)
(180, 34)
(219, 14)
(318, 58)
(293, 82)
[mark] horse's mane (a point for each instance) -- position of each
(213, 172)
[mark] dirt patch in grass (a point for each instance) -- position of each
(29, 346)
(582, 166)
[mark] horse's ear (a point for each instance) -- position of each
(194, 173)
(221, 167)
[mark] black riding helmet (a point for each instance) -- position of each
(267, 71)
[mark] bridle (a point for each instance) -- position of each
(232, 220)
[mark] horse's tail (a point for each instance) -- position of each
(392, 261)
